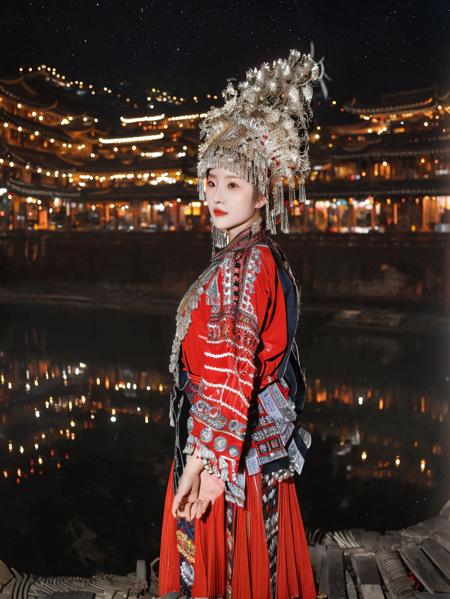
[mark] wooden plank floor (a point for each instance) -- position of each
(413, 563)
(409, 563)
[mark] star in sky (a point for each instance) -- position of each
(194, 47)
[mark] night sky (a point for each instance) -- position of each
(192, 47)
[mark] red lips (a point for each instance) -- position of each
(218, 212)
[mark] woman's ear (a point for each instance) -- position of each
(261, 200)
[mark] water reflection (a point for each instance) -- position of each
(85, 442)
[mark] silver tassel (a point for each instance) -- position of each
(201, 190)
(301, 193)
(291, 193)
(276, 200)
(219, 237)
(285, 220)
(267, 219)
(271, 220)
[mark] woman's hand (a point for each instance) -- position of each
(188, 487)
(187, 494)
(211, 487)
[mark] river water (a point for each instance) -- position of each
(86, 446)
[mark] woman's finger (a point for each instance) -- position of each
(179, 501)
(188, 510)
(201, 508)
(175, 506)
(184, 513)
(179, 505)
(193, 510)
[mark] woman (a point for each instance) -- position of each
(232, 525)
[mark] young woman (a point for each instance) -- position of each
(232, 526)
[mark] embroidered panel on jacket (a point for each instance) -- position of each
(218, 419)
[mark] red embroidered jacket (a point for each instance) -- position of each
(234, 346)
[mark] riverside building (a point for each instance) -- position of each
(78, 157)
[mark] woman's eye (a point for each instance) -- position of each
(232, 185)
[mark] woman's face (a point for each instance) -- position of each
(233, 202)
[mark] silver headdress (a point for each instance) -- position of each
(261, 134)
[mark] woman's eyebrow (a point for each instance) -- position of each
(226, 176)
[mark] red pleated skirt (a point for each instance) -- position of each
(250, 573)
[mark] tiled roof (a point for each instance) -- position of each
(399, 101)
(384, 187)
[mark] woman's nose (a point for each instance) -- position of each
(217, 194)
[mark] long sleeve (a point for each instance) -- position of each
(247, 306)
